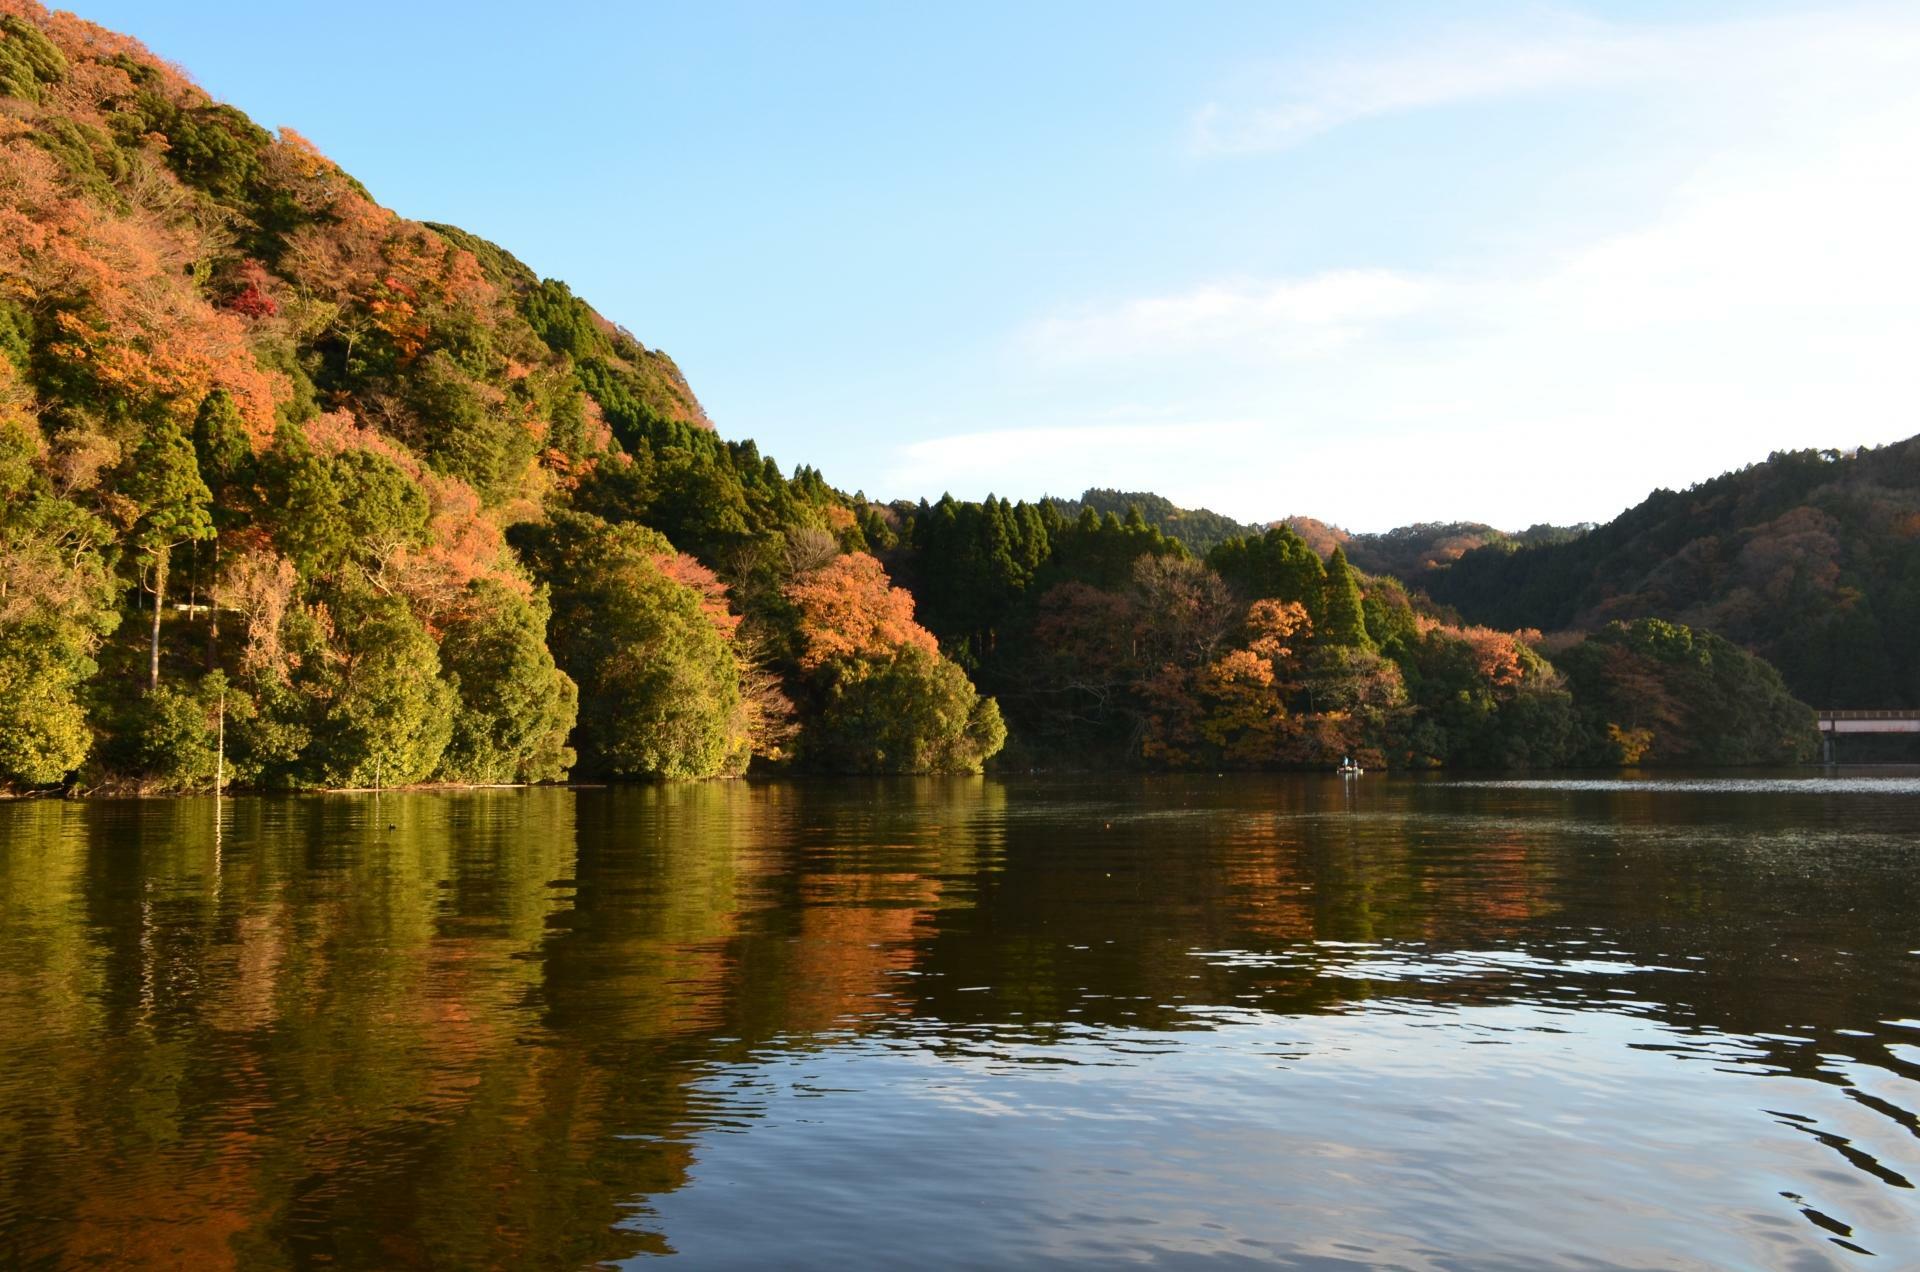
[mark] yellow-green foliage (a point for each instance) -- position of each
(911, 712)
(659, 686)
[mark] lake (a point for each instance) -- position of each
(1198, 1021)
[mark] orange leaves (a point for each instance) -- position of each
(1500, 658)
(260, 585)
(848, 609)
(464, 544)
(397, 275)
(1496, 655)
(1238, 671)
(1274, 627)
(394, 314)
(337, 432)
(683, 569)
(302, 158)
(128, 316)
(1246, 715)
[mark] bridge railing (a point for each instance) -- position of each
(1903, 713)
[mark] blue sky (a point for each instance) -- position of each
(1375, 264)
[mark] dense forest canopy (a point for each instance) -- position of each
(1198, 528)
(1408, 552)
(299, 491)
(1811, 559)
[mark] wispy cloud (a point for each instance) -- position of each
(1288, 318)
(1289, 104)
(1773, 300)
(1762, 291)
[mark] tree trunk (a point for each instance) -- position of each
(213, 611)
(159, 599)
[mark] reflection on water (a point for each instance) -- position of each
(1831, 784)
(1297, 1022)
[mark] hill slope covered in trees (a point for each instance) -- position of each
(295, 485)
(1198, 528)
(1811, 559)
(1411, 551)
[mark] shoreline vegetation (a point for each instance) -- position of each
(298, 488)
(1471, 776)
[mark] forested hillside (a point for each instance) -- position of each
(364, 501)
(1409, 552)
(297, 489)
(1811, 559)
(1108, 642)
(1198, 528)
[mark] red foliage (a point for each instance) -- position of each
(253, 303)
(247, 291)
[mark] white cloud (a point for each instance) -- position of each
(1775, 303)
(1287, 318)
(1769, 299)
(1291, 104)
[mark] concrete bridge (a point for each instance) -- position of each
(1834, 723)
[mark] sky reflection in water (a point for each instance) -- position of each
(1201, 1020)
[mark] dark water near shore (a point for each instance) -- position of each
(1198, 1021)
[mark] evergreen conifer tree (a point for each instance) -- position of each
(1344, 621)
(164, 482)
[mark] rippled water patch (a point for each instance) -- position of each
(1836, 785)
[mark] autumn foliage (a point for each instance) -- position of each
(373, 503)
(848, 609)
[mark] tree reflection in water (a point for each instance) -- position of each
(507, 1028)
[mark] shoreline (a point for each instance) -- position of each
(104, 794)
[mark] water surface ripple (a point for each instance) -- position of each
(1295, 1022)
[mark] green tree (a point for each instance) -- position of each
(516, 706)
(28, 60)
(388, 715)
(1277, 565)
(911, 712)
(43, 728)
(165, 485)
(1343, 621)
(1682, 697)
(177, 732)
(56, 602)
(659, 685)
(225, 457)
(331, 510)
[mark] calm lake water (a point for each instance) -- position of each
(971, 1022)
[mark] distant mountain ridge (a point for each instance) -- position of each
(1407, 552)
(1811, 559)
(1199, 528)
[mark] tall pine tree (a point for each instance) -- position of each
(164, 482)
(1343, 621)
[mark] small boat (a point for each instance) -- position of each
(1348, 768)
